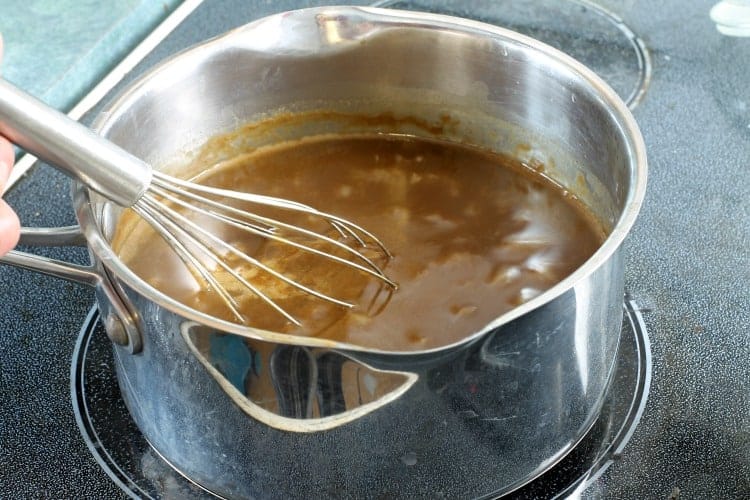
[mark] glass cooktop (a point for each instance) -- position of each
(687, 263)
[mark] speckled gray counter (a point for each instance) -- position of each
(689, 261)
(688, 266)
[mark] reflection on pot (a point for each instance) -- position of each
(293, 388)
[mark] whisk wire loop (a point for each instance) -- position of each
(206, 239)
(190, 231)
(269, 227)
(160, 224)
(347, 227)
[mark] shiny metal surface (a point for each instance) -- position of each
(588, 30)
(52, 236)
(124, 454)
(507, 406)
(549, 361)
(294, 388)
(63, 270)
(70, 146)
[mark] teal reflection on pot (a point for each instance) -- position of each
(293, 387)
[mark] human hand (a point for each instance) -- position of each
(10, 227)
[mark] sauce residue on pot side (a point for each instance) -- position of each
(473, 233)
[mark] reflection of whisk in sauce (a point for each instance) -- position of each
(473, 234)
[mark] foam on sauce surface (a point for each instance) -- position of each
(473, 234)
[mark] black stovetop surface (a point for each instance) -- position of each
(687, 265)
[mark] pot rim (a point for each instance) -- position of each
(609, 99)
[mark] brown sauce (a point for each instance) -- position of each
(473, 234)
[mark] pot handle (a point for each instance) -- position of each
(119, 320)
(52, 236)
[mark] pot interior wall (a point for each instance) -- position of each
(493, 94)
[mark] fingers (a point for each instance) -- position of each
(6, 150)
(9, 223)
(6, 161)
(10, 228)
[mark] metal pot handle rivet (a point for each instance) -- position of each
(116, 330)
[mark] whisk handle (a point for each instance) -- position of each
(71, 147)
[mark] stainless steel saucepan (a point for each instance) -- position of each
(250, 413)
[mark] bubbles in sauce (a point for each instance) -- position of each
(474, 234)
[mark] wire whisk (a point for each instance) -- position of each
(163, 202)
